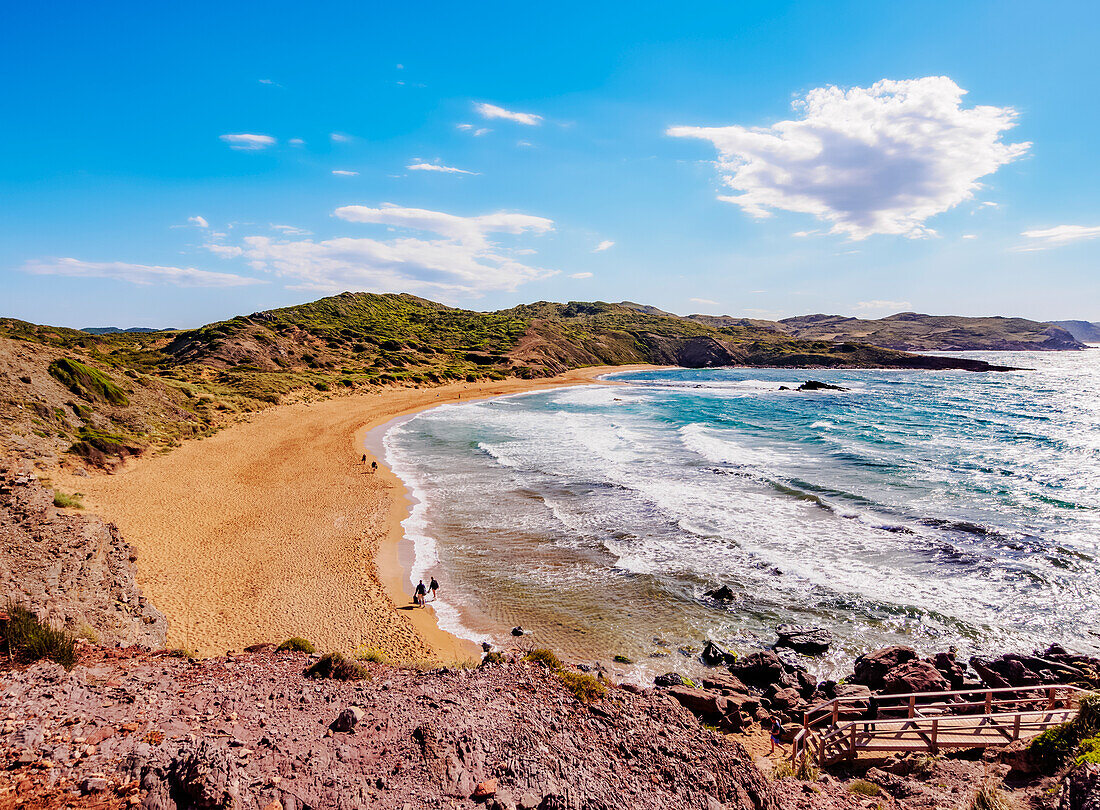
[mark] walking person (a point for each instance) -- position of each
(433, 586)
(418, 597)
(776, 734)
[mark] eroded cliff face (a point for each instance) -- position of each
(72, 570)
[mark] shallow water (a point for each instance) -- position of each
(928, 508)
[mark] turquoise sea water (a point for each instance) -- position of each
(929, 508)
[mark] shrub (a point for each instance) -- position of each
(321, 386)
(861, 787)
(1088, 751)
(296, 644)
(493, 657)
(67, 501)
(35, 640)
(584, 687)
(183, 652)
(989, 796)
(335, 666)
(1050, 750)
(622, 659)
(543, 656)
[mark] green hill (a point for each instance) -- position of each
(112, 394)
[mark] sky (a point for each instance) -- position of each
(170, 165)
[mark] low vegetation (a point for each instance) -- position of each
(492, 657)
(30, 639)
(584, 687)
(335, 666)
(861, 787)
(296, 644)
(65, 501)
(87, 382)
(541, 655)
(1058, 745)
(372, 654)
(990, 796)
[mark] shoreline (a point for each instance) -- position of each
(271, 528)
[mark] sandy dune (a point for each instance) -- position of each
(274, 527)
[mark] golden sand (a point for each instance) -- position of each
(275, 527)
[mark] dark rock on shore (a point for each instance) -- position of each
(723, 593)
(714, 655)
(871, 668)
(803, 639)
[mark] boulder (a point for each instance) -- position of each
(722, 593)
(759, 669)
(517, 631)
(1017, 756)
(722, 682)
(914, 676)
(803, 639)
(484, 790)
(950, 668)
(668, 679)
(713, 655)
(871, 667)
(788, 700)
(817, 385)
(347, 720)
(707, 705)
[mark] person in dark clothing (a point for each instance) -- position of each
(871, 713)
(776, 734)
(418, 597)
(433, 586)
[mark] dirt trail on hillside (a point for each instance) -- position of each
(274, 527)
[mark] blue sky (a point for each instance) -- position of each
(175, 165)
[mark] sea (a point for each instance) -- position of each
(935, 509)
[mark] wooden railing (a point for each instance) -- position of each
(970, 718)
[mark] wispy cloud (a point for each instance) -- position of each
(345, 173)
(340, 137)
(247, 141)
(705, 302)
(876, 160)
(290, 230)
(450, 256)
(1057, 236)
(421, 166)
(198, 222)
(137, 273)
(602, 246)
(475, 131)
(883, 306)
(491, 111)
(296, 142)
(580, 275)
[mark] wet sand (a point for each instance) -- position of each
(275, 527)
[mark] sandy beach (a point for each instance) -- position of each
(275, 527)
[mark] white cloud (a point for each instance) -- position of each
(340, 137)
(436, 167)
(290, 230)
(296, 142)
(988, 204)
(1059, 235)
(883, 306)
(705, 302)
(804, 234)
(602, 246)
(198, 222)
(491, 111)
(247, 141)
(970, 236)
(461, 260)
(223, 251)
(882, 159)
(581, 275)
(138, 273)
(475, 131)
(345, 173)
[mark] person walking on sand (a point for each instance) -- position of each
(776, 734)
(419, 595)
(433, 586)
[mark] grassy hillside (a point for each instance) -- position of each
(910, 331)
(109, 395)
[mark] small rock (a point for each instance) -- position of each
(723, 593)
(484, 790)
(348, 719)
(93, 785)
(517, 631)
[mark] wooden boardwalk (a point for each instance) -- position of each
(931, 722)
